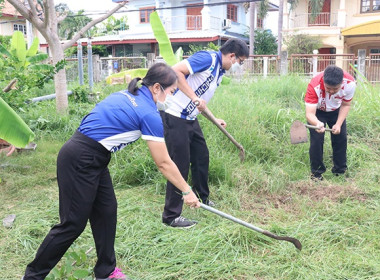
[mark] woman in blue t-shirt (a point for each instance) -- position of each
(85, 187)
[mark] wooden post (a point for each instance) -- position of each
(284, 63)
(150, 57)
(265, 66)
(97, 68)
(361, 62)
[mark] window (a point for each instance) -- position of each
(375, 51)
(370, 6)
(232, 12)
(145, 13)
(19, 27)
(259, 23)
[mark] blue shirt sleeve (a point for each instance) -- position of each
(152, 128)
(200, 61)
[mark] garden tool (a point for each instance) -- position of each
(298, 132)
(295, 242)
(211, 118)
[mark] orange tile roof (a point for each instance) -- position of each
(9, 9)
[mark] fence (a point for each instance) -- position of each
(103, 66)
(256, 65)
(309, 65)
(372, 68)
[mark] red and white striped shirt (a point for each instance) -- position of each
(317, 96)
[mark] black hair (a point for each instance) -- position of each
(159, 73)
(236, 46)
(333, 75)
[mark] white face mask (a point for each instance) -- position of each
(235, 67)
(162, 106)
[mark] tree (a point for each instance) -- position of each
(265, 42)
(112, 25)
(302, 43)
(252, 8)
(315, 9)
(314, 5)
(72, 23)
(46, 22)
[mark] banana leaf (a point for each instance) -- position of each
(162, 38)
(37, 58)
(18, 47)
(179, 54)
(12, 128)
(33, 48)
(4, 51)
(134, 73)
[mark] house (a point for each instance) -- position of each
(345, 26)
(11, 21)
(187, 22)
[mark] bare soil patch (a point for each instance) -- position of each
(262, 202)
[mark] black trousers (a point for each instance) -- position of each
(85, 193)
(186, 146)
(338, 142)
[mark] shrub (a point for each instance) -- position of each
(302, 44)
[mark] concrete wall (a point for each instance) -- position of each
(354, 17)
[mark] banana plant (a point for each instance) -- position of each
(17, 61)
(12, 128)
(166, 50)
(19, 57)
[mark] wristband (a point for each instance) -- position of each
(186, 193)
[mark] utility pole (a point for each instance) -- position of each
(252, 11)
(29, 28)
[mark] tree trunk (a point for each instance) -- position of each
(47, 25)
(60, 80)
(280, 25)
(252, 7)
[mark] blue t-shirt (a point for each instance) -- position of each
(122, 118)
(206, 72)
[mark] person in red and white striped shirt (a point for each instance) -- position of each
(328, 101)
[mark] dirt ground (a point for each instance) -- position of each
(288, 200)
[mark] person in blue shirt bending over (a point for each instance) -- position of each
(85, 188)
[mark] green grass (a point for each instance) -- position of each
(336, 220)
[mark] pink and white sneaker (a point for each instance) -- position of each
(115, 275)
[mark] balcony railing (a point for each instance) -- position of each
(322, 19)
(183, 23)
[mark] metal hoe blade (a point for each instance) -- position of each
(295, 242)
(298, 133)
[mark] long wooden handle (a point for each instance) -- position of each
(214, 121)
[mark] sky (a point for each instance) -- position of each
(88, 5)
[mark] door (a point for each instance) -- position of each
(194, 17)
(323, 19)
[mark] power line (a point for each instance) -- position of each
(171, 8)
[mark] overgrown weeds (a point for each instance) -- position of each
(336, 220)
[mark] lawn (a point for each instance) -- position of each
(336, 220)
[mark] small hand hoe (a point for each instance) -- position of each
(298, 132)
